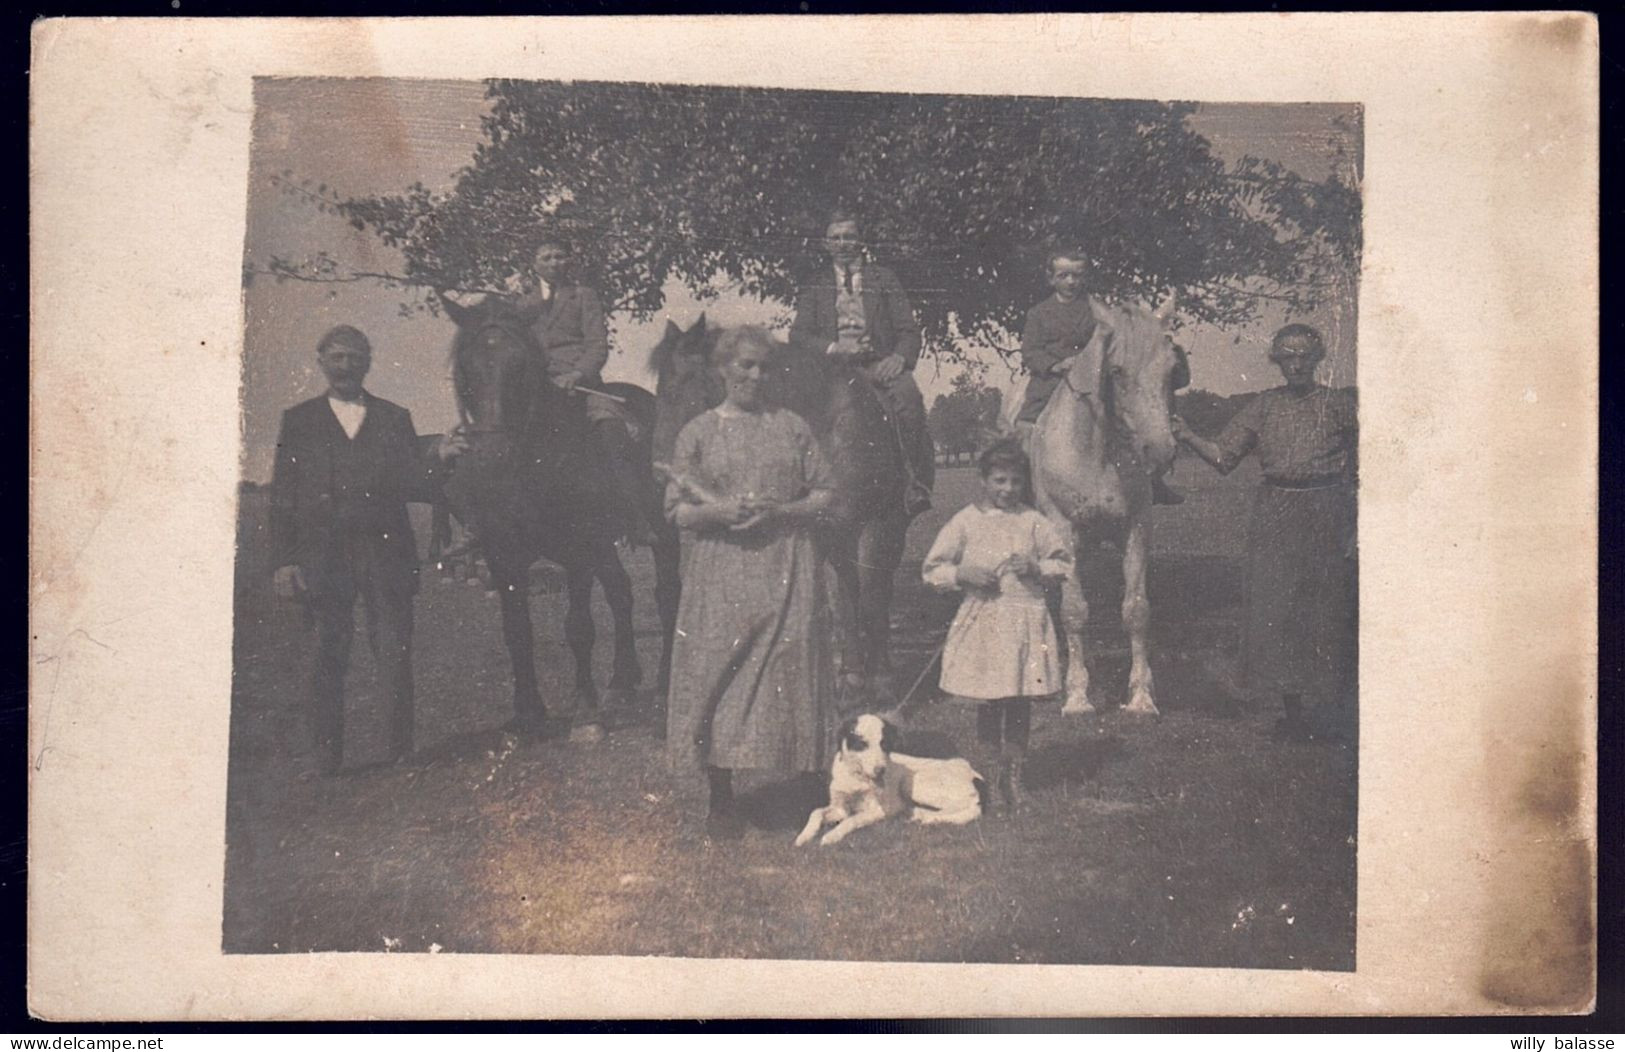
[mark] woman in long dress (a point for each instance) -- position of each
(752, 664)
(1302, 626)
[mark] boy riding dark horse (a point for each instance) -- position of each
(566, 320)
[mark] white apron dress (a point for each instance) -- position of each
(1002, 642)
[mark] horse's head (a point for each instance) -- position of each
(493, 359)
(1142, 367)
(687, 384)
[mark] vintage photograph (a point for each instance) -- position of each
(732, 522)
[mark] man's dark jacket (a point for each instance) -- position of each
(331, 493)
(892, 326)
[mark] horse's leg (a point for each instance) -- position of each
(1137, 615)
(880, 549)
(618, 593)
(668, 591)
(528, 710)
(439, 531)
(578, 634)
(1074, 619)
(843, 559)
(460, 567)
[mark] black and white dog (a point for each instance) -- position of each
(869, 783)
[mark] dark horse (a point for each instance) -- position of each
(532, 484)
(863, 538)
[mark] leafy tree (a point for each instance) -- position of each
(961, 420)
(963, 195)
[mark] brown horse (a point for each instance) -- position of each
(531, 483)
(863, 537)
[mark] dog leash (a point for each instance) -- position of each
(942, 648)
(902, 706)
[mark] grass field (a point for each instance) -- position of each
(1187, 840)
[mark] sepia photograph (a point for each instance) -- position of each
(861, 517)
(796, 524)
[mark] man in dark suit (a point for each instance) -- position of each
(346, 464)
(858, 310)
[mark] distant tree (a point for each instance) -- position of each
(950, 426)
(961, 420)
(963, 195)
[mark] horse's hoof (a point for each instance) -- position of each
(1078, 707)
(529, 727)
(1140, 701)
(586, 734)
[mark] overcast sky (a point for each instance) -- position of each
(378, 136)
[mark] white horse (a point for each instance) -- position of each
(1095, 449)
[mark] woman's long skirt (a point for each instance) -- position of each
(752, 663)
(1302, 629)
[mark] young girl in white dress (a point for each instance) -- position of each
(1002, 650)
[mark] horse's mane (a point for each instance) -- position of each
(459, 375)
(1136, 333)
(660, 355)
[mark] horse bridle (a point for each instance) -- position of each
(1108, 393)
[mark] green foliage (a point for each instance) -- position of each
(962, 195)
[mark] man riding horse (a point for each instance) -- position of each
(857, 310)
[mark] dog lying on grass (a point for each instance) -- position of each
(869, 783)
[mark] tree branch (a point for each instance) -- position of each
(1223, 287)
(356, 276)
